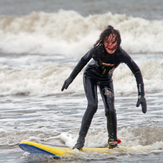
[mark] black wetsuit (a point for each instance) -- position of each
(99, 72)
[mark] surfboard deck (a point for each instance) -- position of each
(59, 152)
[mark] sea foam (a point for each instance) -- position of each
(69, 33)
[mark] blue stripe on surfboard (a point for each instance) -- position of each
(32, 149)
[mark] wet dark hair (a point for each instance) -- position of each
(109, 30)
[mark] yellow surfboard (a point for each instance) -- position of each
(59, 152)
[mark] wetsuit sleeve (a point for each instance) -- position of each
(135, 70)
(83, 61)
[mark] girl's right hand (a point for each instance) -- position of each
(67, 83)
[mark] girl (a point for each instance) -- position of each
(106, 55)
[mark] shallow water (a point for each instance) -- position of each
(45, 120)
(34, 108)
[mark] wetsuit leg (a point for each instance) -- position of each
(90, 87)
(107, 94)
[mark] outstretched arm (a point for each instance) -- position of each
(83, 61)
(139, 79)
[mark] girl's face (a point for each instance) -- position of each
(110, 43)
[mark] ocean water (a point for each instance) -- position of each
(41, 42)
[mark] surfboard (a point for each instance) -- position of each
(60, 152)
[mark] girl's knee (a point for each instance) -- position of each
(93, 106)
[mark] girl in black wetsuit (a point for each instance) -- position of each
(106, 55)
